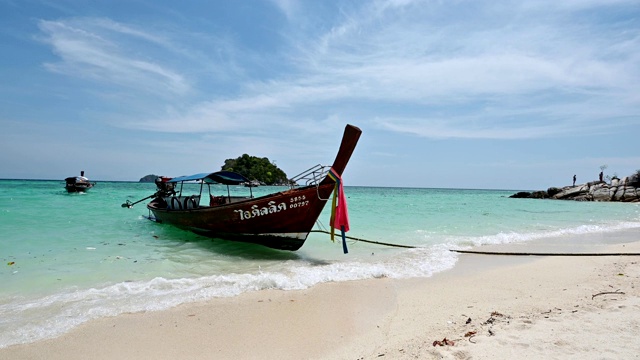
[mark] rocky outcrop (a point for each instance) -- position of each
(623, 190)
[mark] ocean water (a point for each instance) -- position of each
(69, 258)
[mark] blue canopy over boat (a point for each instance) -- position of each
(221, 177)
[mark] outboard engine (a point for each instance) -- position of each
(165, 188)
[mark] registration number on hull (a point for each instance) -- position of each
(273, 207)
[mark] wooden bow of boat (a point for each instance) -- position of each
(347, 146)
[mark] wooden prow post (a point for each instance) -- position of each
(348, 144)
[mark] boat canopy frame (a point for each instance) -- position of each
(219, 177)
(310, 177)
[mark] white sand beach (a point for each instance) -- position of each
(487, 307)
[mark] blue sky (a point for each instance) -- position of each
(461, 94)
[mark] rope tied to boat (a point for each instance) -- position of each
(478, 252)
(369, 241)
(509, 253)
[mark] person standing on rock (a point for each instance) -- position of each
(574, 180)
(601, 176)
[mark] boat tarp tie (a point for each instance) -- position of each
(339, 213)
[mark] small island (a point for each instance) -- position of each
(149, 178)
(261, 171)
(626, 189)
(258, 170)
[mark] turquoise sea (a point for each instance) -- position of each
(69, 258)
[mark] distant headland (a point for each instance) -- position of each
(149, 178)
(626, 189)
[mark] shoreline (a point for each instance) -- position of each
(537, 307)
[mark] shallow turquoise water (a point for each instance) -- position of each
(67, 258)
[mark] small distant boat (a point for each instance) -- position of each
(78, 183)
(280, 220)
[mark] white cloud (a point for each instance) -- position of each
(93, 49)
(435, 69)
(289, 8)
(508, 57)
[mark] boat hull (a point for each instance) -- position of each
(282, 220)
(78, 187)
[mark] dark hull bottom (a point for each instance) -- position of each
(272, 241)
(292, 242)
(73, 189)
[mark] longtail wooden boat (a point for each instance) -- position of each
(78, 183)
(280, 220)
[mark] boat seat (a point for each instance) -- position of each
(217, 200)
(173, 203)
(191, 202)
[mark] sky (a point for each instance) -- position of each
(515, 95)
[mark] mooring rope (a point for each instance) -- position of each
(478, 252)
(541, 254)
(369, 241)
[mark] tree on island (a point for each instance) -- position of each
(255, 168)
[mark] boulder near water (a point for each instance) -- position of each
(626, 189)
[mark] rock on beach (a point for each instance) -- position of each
(626, 189)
